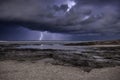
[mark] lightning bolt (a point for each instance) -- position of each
(70, 4)
(41, 36)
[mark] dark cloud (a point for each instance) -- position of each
(98, 1)
(8, 32)
(86, 17)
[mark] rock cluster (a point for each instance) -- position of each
(92, 57)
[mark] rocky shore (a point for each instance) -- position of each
(87, 56)
(60, 60)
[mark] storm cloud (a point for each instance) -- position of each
(94, 17)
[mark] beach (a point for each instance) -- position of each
(41, 70)
(60, 60)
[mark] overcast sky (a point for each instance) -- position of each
(59, 19)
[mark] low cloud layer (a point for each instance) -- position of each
(91, 17)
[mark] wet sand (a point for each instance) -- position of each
(41, 70)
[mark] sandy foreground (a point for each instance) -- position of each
(41, 70)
